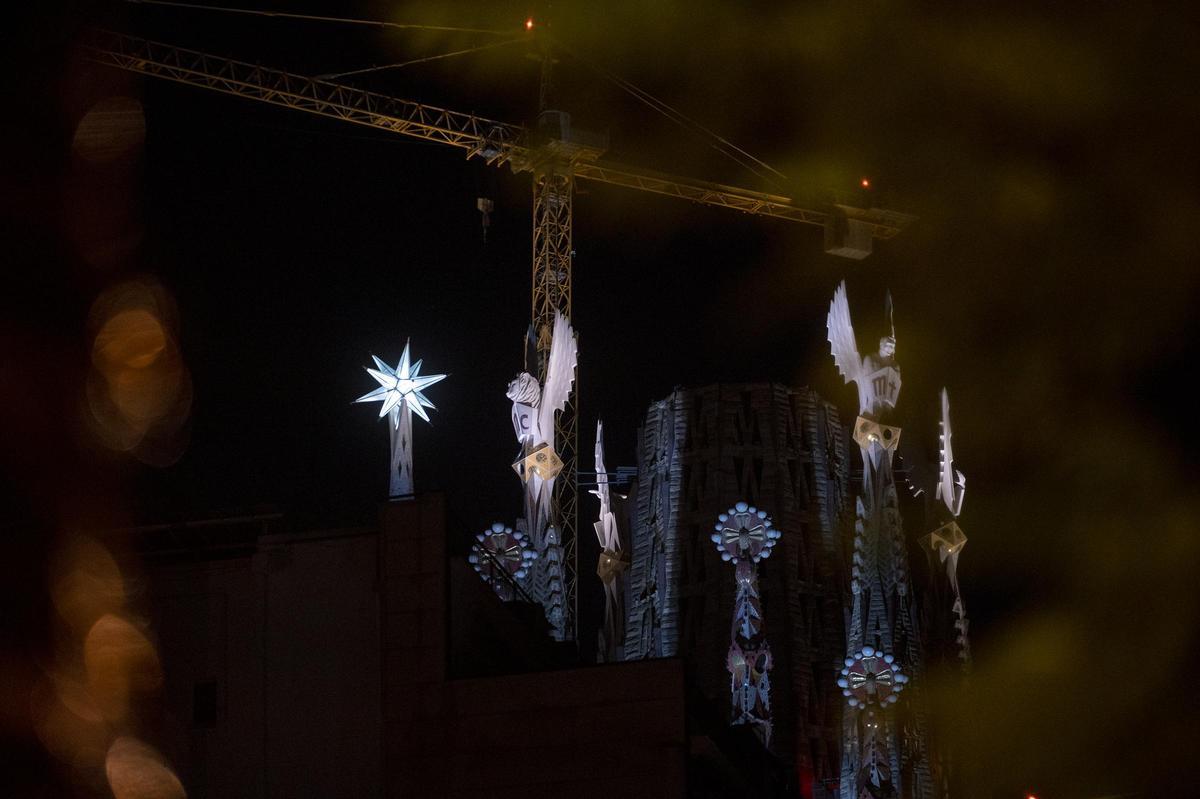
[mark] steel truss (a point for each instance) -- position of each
(553, 192)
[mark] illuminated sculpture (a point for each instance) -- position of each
(743, 536)
(877, 749)
(877, 375)
(400, 392)
(612, 559)
(870, 681)
(871, 678)
(533, 411)
(952, 485)
(948, 540)
(502, 557)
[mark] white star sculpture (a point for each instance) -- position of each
(400, 392)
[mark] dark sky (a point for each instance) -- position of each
(1050, 284)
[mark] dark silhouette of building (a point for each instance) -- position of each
(372, 662)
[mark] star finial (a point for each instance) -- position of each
(401, 387)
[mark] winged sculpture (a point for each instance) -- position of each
(877, 375)
(534, 407)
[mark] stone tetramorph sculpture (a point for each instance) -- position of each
(884, 750)
(534, 407)
(744, 535)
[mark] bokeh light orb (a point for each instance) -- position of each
(113, 128)
(69, 737)
(85, 582)
(136, 771)
(121, 665)
(139, 392)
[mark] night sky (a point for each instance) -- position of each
(1050, 284)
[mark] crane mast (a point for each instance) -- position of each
(556, 156)
(557, 151)
(553, 190)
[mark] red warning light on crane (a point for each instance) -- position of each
(529, 24)
(866, 184)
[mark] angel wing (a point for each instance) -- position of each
(560, 375)
(841, 336)
(601, 491)
(606, 528)
(951, 482)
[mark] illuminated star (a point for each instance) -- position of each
(401, 387)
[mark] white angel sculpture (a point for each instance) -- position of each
(878, 375)
(534, 407)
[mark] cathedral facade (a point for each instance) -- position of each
(785, 451)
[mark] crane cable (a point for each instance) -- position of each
(332, 75)
(314, 18)
(714, 140)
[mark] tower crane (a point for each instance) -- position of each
(556, 156)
